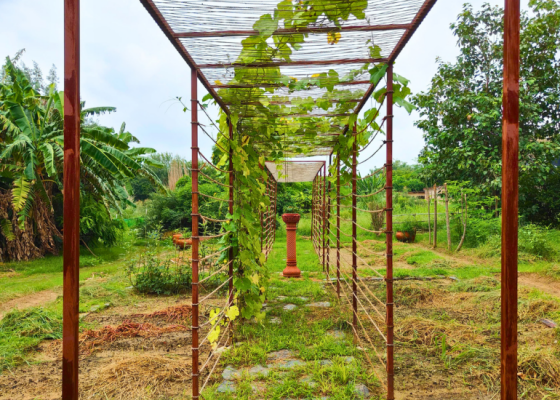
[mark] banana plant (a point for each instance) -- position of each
(32, 143)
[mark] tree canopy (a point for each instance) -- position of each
(461, 111)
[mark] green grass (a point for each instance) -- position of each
(303, 331)
(46, 273)
(21, 331)
(423, 258)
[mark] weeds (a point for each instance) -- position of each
(152, 275)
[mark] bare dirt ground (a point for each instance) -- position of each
(547, 285)
(32, 300)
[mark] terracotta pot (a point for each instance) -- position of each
(406, 237)
(290, 218)
(291, 270)
(183, 243)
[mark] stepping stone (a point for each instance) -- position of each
(349, 359)
(276, 321)
(226, 387)
(290, 307)
(336, 334)
(281, 297)
(231, 373)
(309, 381)
(361, 391)
(220, 350)
(325, 362)
(303, 298)
(290, 364)
(321, 304)
(259, 370)
(280, 355)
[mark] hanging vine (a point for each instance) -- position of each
(270, 127)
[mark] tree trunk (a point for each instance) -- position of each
(37, 237)
(447, 218)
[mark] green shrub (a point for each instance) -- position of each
(151, 275)
(533, 239)
(534, 243)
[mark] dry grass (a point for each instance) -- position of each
(141, 377)
(92, 339)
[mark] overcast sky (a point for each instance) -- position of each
(127, 62)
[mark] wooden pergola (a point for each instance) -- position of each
(206, 34)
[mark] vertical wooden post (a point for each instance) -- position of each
(428, 199)
(327, 230)
(389, 236)
(195, 238)
(324, 215)
(510, 197)
(230, 210)
(354, 236)
(338, 225)
(71, 213)
(447, 218)
(313, 214)
(435, 216)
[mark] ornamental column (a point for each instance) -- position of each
(291, 270)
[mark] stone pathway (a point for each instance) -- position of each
(291, 367)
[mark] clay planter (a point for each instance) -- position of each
(183, 243)
(176, 237)
(406, 237)
(291, 270)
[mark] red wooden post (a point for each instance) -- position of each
(324, 215)
(195, 238)
(71, 213)
(354, 236)
(510, 195)
(328, 223)
(313, 214)
(230, 209)
(338, 226)
(389, 236)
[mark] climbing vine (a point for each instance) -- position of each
(270, 127)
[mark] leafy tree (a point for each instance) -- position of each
(461, 111)
(31, 162)
(142, 187)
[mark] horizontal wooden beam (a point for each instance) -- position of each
(166, 28)
(295, 63)
(291, 31)
(277, 85)
(256, 103)
(298, 115)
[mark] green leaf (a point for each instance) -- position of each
(266, 26)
